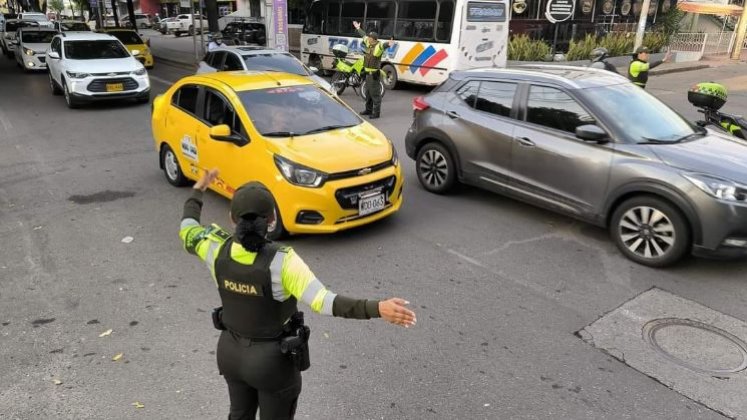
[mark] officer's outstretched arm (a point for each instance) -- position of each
(197, 238)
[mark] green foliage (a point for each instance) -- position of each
(655, 41)
(56, 6)
(618, 44)
(523, 48)
(581, 50)
(669, 23)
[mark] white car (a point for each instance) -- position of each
(8, 34)
(71, 26)
(89, 67)
(31, 47)
(188, 24)
(40, 18)
(142, 21)
(232, 58)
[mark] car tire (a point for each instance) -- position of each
(391, 79)
(278, 228)
(191, 30)
(650, 231)
(69, 99)
(143, 99)
(143, 26)
(177, 34)
(171, 168)
(56, 91)
(435, 168)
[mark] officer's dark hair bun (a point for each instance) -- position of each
(251, 231)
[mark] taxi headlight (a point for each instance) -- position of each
(722, 189)
(395, 156)
(76, 75)
(298, 174)
(139, 72)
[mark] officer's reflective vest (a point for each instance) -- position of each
(372, 56)
(638, 72)
(249, 308)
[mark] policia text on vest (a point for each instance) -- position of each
(263, 344)
(372, 52)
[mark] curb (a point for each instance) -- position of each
(679, 70)
(174, 63)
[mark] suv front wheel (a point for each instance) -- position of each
(436, 169)
(650, 231)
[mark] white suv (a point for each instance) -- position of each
(39, 18)
(88, 67)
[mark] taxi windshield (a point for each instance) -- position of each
(295, 111)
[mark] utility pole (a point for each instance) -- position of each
(194, 35)
(641, 24)
(211, 8)
(741, 31)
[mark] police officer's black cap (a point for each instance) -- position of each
(252, 198)
(641, 50)
(373, 35)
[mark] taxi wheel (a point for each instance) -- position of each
(276, 230)
(171, 168)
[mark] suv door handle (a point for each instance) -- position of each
(452, 114)
(524, 141)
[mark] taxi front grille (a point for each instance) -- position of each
(360, 171)
(348, 197)
(99, 85)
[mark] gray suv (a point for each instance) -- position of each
(589, 144)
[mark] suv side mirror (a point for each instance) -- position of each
(592, 132)
(223, 133)
(15, 42)
(53, 55)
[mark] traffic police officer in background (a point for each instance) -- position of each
(599, 60)
(639, 67)
(259, 283)
(372, 52)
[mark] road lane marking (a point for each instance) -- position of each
(163, 81)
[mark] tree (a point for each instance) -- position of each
(56, 6)
(80, 5)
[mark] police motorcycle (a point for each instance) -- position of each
(350, 74)
(709, 97)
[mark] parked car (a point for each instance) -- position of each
(39, 18)
(327, 168)
(71, 26)
(88, 67)
(31, 47)
(133, 42)
(243, 32)
(163, 25)
(142, 21)
(188, 24)
(589, 144)
(233, 58)
(8, 34)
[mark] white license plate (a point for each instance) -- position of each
(371, 204)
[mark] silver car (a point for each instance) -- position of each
(232, 58)
(589, 144)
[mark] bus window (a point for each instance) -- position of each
(351, 12)
(333, 19)
(380, 18)
(445, 21)
(314, 20)
(415, 20)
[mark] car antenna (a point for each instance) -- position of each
(276, 80)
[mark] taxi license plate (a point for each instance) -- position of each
(114, 87)
(371, 204)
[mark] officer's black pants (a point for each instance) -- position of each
(373, 94)
(258, 376)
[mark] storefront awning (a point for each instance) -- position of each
(709, 8)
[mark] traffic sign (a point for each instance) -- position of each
(560, 10)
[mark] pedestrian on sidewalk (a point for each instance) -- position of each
(263, 346)
(639, 67)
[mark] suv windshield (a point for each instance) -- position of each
(127, 37)
(74, 26)
(37, 37)
(94, 50)
(273, 61)
(639, 115)
(295, 111)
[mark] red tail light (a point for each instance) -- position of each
(419, 104)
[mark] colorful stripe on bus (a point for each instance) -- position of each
(419, 57)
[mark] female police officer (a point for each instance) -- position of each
(259, 284)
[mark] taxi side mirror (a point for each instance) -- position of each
(223, 133)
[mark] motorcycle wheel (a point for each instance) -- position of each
(339, 82)
(363, 91)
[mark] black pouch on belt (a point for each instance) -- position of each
(296, 345)
(218, 319)
(376, 75)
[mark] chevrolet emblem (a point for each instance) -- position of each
(364, 171)
(112, 74)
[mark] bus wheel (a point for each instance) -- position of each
(390, 81)
(316, 61)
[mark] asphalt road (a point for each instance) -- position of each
(500, 287)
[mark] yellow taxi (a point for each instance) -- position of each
(327, 168)
(133, 42)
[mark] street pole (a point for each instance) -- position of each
(194, 36)
(736, 49)
(202, 37)
(641, 24)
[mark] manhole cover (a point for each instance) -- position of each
(697, 346)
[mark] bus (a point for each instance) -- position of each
(431, 37)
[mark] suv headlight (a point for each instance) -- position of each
(139, 72)
(75, 75)
(722, 189)
(298, 174)
(28, 51)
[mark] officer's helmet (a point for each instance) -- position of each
(599, 54)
